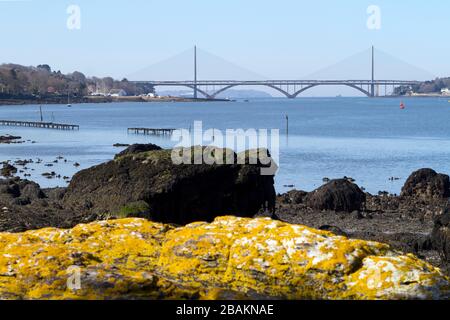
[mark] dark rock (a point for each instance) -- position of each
(358, 214)
(9, 188)
(335, 230)
(423, 243)
(440, 236)
(337, 195)
(19, 192)
(138, 148)
(55, 194)
(21, 201)
(49, 175)
(8, 170)
(32, 191)
(22, 162)
(404, 241)
(251, 164)
(293, 197)
(9, 139)
(427, 184)
(174, 193)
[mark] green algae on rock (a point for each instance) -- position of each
(230, 258)
(174, 193)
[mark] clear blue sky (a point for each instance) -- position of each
(281, 38)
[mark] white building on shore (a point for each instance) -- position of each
(117, 93)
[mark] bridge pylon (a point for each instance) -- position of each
(372, 86)
(195, 73)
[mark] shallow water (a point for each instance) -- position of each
(370, 140)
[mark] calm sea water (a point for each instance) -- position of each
(370, 140)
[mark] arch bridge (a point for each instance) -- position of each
(290, 88)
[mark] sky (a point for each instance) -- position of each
(277, 39)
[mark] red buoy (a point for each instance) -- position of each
(402, 105)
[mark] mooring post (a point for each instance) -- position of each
(287, 125)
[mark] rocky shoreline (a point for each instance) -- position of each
(142, 182)
(411, 222)
(142, 179)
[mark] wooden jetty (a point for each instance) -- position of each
(152, 131)
(43, 125)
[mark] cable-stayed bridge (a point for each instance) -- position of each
(290, 88)
(211, 89)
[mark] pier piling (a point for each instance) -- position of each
(42, 125)
(152, 131)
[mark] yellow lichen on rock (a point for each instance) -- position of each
(288, 261)
(229, 258)
(396, 277)
(113, 257)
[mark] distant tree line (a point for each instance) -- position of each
(17, 80)
(433, 86)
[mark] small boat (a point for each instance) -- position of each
(68, 100)
(402, 106)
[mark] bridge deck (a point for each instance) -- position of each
(290, 88)
(279, 82)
